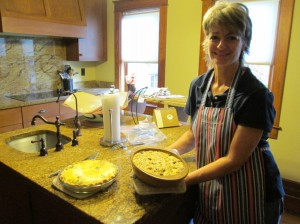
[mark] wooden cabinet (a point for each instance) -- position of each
(22, 201)
(43, 17)
(25, 8)
(94, 46)
(10, 119)
(14, 203)
(68, 11)
(19, 117)
(47, 110)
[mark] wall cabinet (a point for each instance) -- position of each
(94, 46)
(43, 17)
(10, 119)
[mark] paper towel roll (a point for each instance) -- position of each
(111, 117)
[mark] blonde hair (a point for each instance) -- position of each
(233, 16)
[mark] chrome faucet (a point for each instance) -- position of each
(76, 120)
(57, 123)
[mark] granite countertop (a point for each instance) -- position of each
(176, 102)
(119, 203)
(7, 103)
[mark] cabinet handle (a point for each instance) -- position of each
(42, 111)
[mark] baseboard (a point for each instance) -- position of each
(292, 196)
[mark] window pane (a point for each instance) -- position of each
(140, 37)
(261, 72)
(145, 74)
(264, 22)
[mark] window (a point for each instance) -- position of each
(263, 37)
(140, 43)
(271, 68)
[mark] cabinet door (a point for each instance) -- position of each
(26, 7)
(48, 110)
(70, 11)
(10, 119)
(66, 11)
(15, 206)
(94, 46)
(61, 18)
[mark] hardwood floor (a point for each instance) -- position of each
(288, 218)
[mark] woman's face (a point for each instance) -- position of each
(224, 46)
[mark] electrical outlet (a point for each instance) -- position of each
(82, 71)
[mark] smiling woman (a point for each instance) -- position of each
(232, 113)
(271, 48)
(223, 47)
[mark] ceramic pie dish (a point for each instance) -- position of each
(88, 176)
(158, 167)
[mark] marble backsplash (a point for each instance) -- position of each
(30, 64)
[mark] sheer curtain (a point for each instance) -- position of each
(140, 47)
(140, 36)
(264, 15)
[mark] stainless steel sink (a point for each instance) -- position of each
(23, 142)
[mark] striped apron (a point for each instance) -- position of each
(239, 196)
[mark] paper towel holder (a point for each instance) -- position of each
(112, 142)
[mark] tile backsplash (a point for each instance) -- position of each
(30, 64)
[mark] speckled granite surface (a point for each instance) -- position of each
(6, 102)
(30, 64)
(117, 204)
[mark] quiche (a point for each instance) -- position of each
(88, 173)
(158, 163)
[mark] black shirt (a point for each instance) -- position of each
(252, 105)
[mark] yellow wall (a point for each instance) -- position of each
(183, 41)
(286, 148)
(183, 35)
(90, 70)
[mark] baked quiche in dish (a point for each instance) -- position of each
(158, 167)
(89, 175)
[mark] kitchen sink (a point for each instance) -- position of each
(23, 142)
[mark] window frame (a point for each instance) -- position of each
(128, 5)
(280, 57)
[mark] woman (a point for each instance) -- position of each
(232, 113)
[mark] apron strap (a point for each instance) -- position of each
(204, 97)
(232, 89)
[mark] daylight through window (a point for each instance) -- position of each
(140, 45)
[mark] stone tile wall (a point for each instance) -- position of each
(30, 64)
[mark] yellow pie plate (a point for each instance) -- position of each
(81, 176)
